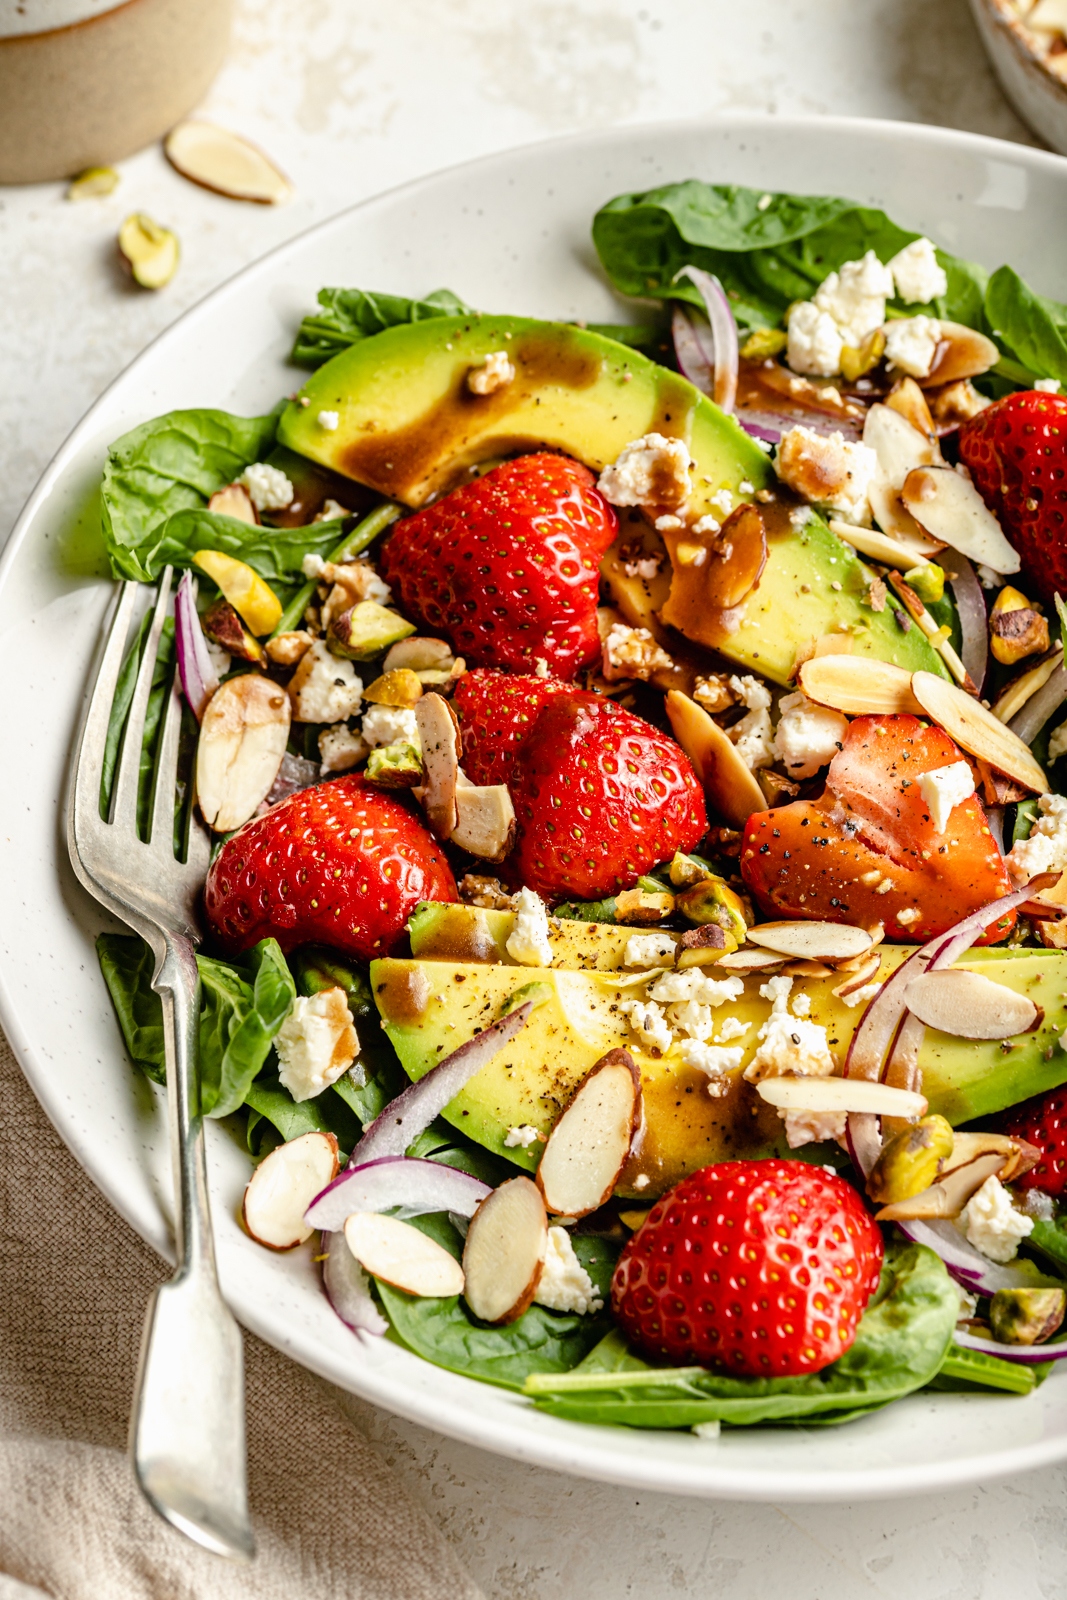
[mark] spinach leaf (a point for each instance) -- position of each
(964, 1370)
(128, 966)
(174, 463)
(349, 315)
(326, 1113)
(900, 1345)
(540, 1341)
(1032, 328)
(275, 553)
(1050, 1240)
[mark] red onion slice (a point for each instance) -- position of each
(723, 341)
(971, 608)
(1028, 722)
(348, 1289)
(1025, 1355)
(408, 1187)
(971, 1270)
(694, 348)
(198, 677)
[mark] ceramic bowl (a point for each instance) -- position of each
(1038, 95)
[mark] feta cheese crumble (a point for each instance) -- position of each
(648, 1023)
(340, 748)
(814, 341)
(495, 372)
(648, 950)
(268, 487)
(390, 725)
(808, 736)
(945, 788)
(1057, 745)
(324, 687)
(789, 1046)
(653, 470)
(330, 420)
(316, 1043)
(520, 1138)
(992, 1223)
(911, 344)
(713, 1061)
(918, 276)
(753, 736)
(813, 1127)
(1047, 385)
(828, 469)
(855, 297)
(1046, 848)
(732, 1028)
(528, 941)
(564, 1284)
(632, 653)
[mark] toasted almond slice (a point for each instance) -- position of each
(807, 969)
(505, 1251)
(234, 501)
(904, 544)
(242, 741)
(970, 1006)
(742, 962)
(908, 399)
(859, 975)
(1019, 1156)
(587, 1148)
(962, 353)
(440, 758)
(399, 1254)
(1015, 694)
(812, 941)
(842, 1094)
(222, 161)
(731, 789)
(948, 1196)
(485, 824)
(899, 447)
(977, 730)
(284, 1185)
(859, 685)
(949, 507)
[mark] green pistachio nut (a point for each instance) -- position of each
(395, 766)
(910, 1162)
(712, 900)
(762, 343)
(928, 581)
(1026, 1316)
(365, 630)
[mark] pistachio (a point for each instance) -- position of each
(763, 343)
(713, 901)
(928, 581)
(148, 251)
(856, 362)
(222, 161)
(221, 624)
(643, 908)
(911, 1161)
(394, 766)
(948, 1195)
(685, 870)
(700, 947)
(1026, 1316)
(365, 629)
(1016, 629)
(93, 183)
(401, 687)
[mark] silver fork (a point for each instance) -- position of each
(187, 1431)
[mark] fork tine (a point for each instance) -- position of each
(198, 855)
(161, 827)
(124, 809)
(90, 761)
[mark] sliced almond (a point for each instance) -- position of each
(485, 819)
(284, 1185)
(842, 1094)
(737, 558)
(812, 941)
(949, 507)
(222, 161)
(962, 353)
(419, 655)
(588, 1146)
(731, 789)
(807, 969)
(233, 501)
(743, 962)
(401, 1255)
(899, 447)
(970, 1006)
(504, 1253)
(1018, 1156)
(1015, 694)
(898, 546)
(948, 1196)
(908, 399)
(440, 758)
(859, 685)
(242, 741)
(859, 976)
(977, 730)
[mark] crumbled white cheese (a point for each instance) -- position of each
(495, 372)
(1046, 848)
(788, 1046)
(911, 344)
(668, 523)
(812, 1127)
(815, 341)
(992, 1223)
(331, 510)
(945, 788)
(220, 659)
(1057, 745)
(691, 1020)
(694, 984)
(988, 578)
(541, 667)
(316, 1043)
(632, 653)
(330, 420)
(808, 736)
(855, 297)
(860, 997)
(777, 990)
(712, 1060)
(324, 687)
(648, 950)
(340, 748)
(653, 470)
(1047, 385)
(648, 1023)
(917, 274)
(801, 1005)
(732, 1028)
(968, 1304)
(312, 566)
(384, 725)
(723, 500)
(753, 736)
(828, 469)
(564, 1284)
(268, 487)
(528, 942)
(520, 1138)
(712, 1430)
(706, 524)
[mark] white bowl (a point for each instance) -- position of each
(508, 233)
(1037, 94)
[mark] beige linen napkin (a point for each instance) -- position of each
(330, 1519)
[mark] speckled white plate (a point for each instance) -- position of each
(510, 233)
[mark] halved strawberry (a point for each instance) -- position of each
(1016, 452)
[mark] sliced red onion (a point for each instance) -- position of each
(768, 427)
(1024, 1355)
(970, 1268)
(406, 1186)
(694, 348)
(348, 1288)
(411, 1112)
(1028, 722)
(723, 336)
(198, 677)
(971, 608)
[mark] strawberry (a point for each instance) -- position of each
(600, 796)
(341, 863)
(507, 566)
(866, 852)
(761, 1267)
(1042, 1122)
(1016, 452)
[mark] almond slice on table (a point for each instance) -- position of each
(222, 161)
(504, 1253)
(588, 1146)
(948, 1196)
(859, 685)
(234, 501)
(949, 507)
(401, 1255)
(842, 1094)
(731, 789)
(743, 962)
(243, 737)
(970, 1006)
(812, 941)
(284, 1185)
(977, 730)
(439, 738)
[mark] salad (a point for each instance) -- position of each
(636, 930)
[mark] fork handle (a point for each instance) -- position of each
(177, 982)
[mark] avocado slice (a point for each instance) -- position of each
(430, 1006)
(443, 932)
(409, 426)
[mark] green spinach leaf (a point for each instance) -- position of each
(964, 1370)
(349, 315)
(128, 966)
(326, 1113)
(1032, 328)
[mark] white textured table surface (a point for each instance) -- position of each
(352, 97)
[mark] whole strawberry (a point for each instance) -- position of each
(761, 1267)
(507, 567)
(497, 713)
(341, 863)
(1042, 1122)
(1016, 452)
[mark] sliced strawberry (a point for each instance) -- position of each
(866, 850)
(507, 567)
(1016, 452)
